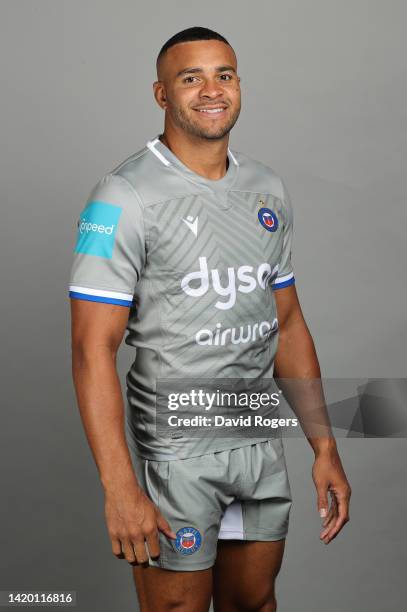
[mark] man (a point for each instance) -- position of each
(195, 240)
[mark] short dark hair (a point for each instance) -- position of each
(189, 35)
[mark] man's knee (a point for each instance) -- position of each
(262, 601)
(175, 604)
(178, 604)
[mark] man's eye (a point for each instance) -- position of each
(188, 79)
(227, 76)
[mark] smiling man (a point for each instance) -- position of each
(188, 244)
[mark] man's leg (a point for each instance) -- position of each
(161, 590)
(244, 575)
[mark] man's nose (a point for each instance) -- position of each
(211, 88)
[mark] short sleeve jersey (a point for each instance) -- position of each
(196, 261)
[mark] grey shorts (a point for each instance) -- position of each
(242, 493)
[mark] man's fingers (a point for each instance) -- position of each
(331, 514)
(331, 518)
(329, 525)
(128, 550)
(134, 550)
(153, 544)
(117, 548)
(136, 539)
(140, 550)
(332, 511)
(341, 519)
(333, 531)
(322, 501)
(164, 526)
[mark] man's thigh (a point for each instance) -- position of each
(161, 590)
(244, 575)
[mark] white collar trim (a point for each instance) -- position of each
(151, 145)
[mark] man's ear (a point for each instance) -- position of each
(159, 94)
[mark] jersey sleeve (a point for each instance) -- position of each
(285, 276)
(110, 252)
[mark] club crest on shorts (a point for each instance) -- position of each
(268, 219)
(188, 540)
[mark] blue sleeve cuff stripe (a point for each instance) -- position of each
(97, 298)
(287, 283)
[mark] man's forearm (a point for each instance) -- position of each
(296, 359)
(100, 401)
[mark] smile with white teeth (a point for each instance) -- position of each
(211, 110)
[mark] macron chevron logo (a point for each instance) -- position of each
(192, 224)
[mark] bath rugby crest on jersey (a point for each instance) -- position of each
(197, 262)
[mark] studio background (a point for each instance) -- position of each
(323, 104)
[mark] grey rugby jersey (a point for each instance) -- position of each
(196, 261)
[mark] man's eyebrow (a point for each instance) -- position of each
(195, 70)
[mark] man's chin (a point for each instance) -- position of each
(215, 136)
(211, 134)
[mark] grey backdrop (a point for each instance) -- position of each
(324, 104)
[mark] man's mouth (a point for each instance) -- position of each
(211, 110)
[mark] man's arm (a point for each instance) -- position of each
(296, 358)
(132, 519)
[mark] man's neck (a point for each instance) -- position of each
(208, 158)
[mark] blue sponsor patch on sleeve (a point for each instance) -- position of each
(97, 227)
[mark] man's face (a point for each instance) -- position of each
(199, 88)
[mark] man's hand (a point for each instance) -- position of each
(134, 521)
(328, 475)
